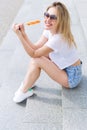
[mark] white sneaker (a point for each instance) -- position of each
(20, 88)
(20, 96)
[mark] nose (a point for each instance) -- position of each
(48, 18)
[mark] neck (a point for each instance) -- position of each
(53, 32)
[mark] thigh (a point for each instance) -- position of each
(60, 76)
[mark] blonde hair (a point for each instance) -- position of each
(63, 26)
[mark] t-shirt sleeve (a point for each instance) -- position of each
(46, 33)
(54, 43)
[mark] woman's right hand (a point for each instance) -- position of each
(18, 29)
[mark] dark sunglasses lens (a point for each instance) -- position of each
(46, 14)
(52, 17)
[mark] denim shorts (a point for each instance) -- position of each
(74, 75)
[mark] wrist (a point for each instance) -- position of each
(24, 34)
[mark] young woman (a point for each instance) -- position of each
(55, 52)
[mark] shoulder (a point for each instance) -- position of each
(56, 38)
(46, 33)
(54, 42)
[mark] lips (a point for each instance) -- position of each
(48, 24)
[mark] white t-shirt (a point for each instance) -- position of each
(63, 55)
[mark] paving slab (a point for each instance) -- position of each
(81, 8)
(44, 108)
(9, 42)
(41, 126)
(84, 25)
(75, 119)
(11, 114)
(51, 107)
(75, 98)
(8, 11)
(67, 102)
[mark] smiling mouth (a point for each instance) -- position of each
(47, 24)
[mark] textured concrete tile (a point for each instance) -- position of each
(41, 126)
(77, 97)
(78, 34)
(72, 11)
(75, 102)
(9, 42)
(75, 119)
(46, 104)
(5, 57)
(84, 25)
(80, 1)
(11, 114)
(19, 61)
(45, 108)
(82, 9)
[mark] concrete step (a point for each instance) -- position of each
(52, 107)
(44, 109)
(82, 9)
(11, 114)
(74, 102)
(12, 68)
(43, 113)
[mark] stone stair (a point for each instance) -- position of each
(52, 107)
(70, 106)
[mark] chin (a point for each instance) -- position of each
(47, 28)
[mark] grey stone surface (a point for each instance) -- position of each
(8, 11)
(46, 104)
(76, 98)
(74, 101)
(11, 114)
(9, 42)
(71, 99)
(75, 119)
(84, 25)
(41, 126)
(5, 56)
(82, 9)
(51, 107)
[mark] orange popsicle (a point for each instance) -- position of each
(33, 22)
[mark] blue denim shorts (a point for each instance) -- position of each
(74, 75)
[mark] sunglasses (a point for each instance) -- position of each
(52, 17)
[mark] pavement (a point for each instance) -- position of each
(52, 107)
(8, 11)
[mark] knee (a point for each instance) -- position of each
(35, 61)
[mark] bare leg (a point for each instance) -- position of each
(49, 67)
(31, 76)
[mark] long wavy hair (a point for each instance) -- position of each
(63, 21)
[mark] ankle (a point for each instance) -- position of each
(24, 90)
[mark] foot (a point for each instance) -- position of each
(21, 96)
(20, 88)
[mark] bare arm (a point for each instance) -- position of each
(37, 50)
(38, 44)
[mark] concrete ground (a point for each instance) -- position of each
(52, 107)
(8, 11)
